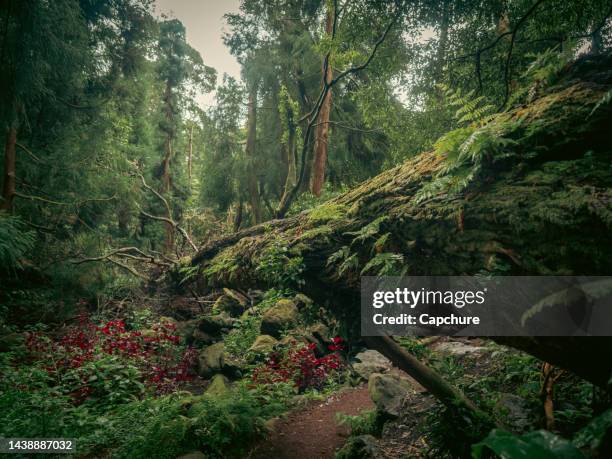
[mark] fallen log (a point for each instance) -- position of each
(535, 200)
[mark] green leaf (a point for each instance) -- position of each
(539, 444)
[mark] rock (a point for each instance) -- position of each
(371, 361)
(10, 341)
(185, 328)
(211, 360)
(219, 385)
(193, 455)
(318, 335)
(199, 338)
(215, 324)
(281, 316)
(458, 348)
(388, 392)
(361, 447)
(302, 301)
(231, 302)
(515, 411)
(263, 344)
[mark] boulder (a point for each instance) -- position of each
(211, 360)
(302, 301)
(371, 361)
(219, 385)
(459, 348)
(388, 392)
(318, 335)
(199, 338)
(185, 328)
(516, 412)
(216, 324)
(263, 344)
(231, 302)
(280, 317)
(361, 447)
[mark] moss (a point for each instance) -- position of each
(316, 232)
(327, 212)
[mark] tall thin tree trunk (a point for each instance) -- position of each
(190, 155)
(10, 159)
(166, 176)
(322, 131)
(250, 153)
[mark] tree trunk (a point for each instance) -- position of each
(428, 378)
(169, 130)
(10, 160)
(254, 197)
(166, 177)
(190, 155)
(322, 131)
(543, 209)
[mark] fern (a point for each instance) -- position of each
(339, 255)
(606, 98)
(470, 109)
(15, 242)
(368, 231)
(352, 262)
(387, 263)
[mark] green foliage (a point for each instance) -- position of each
(242, 336)
(15, 242)
(385, 264)
(541, 444)
(369, 422)
(279, 267)
(470, 108)
(595, 435)
(176, 424)
(605, 99)
(368, 231)
(327, 212)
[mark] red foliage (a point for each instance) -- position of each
(162, 362)
(301, 366)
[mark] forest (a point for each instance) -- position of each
(181, 280)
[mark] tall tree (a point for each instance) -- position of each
(322, 129)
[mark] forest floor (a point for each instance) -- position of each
(313, 431)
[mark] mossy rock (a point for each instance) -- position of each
(388, 392)
(361, 447)
(211, 360)
(216, 324)
(219, 385)
(263, 344)
(185, 328)
(199, 338)
(231, 302)
(282, 316)
(302, 301)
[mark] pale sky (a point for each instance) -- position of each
(204, 22)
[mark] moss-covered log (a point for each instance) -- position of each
(528, 193)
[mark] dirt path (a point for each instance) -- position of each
(311, 432)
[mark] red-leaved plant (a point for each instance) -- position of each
(299, 365)
(157, 354)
